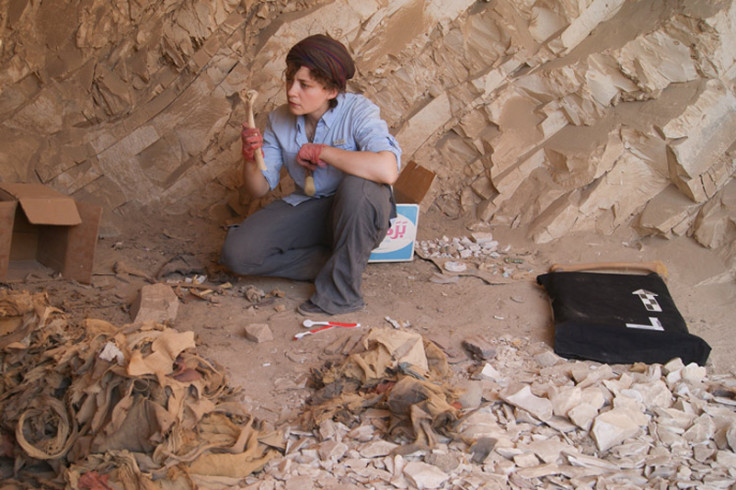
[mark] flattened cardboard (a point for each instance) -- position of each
(43, 205)
(40, 224)
(7, 216)
(413, 183)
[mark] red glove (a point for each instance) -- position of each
(252, 141)
(308, 156)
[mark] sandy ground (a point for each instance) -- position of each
(274, 374)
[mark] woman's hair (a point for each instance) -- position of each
(327, 59)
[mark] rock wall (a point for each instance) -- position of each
(559, 115)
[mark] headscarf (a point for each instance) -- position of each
(324, 55)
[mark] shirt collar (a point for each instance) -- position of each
(326, 119)
(331, 113)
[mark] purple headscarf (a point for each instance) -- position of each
(325, 56)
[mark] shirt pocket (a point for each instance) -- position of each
(345, 145)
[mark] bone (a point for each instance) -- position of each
(250, 98)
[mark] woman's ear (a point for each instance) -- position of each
(332, 93)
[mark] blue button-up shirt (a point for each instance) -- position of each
(354, 124)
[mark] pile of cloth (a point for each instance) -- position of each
(394, 372)
(100, 406)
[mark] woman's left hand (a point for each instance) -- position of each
(308, 156)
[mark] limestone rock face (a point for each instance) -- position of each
(556, 115)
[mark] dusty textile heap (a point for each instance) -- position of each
(100, 406)
(396, 371)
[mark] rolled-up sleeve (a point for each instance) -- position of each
(371, 132)
(272, 148)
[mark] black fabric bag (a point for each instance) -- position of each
(619, 318)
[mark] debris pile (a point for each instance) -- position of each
(478, 255)
(393, 370)
(479, 245)
(100, 406)
(540, 422)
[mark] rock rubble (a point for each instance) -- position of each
(541, 424)
(391, 413)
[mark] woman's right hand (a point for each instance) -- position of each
(252, 141)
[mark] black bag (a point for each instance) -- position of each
(619, 318)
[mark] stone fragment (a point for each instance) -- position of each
(332, 450)
(564, 399)
(481, 448)
(702, 430)
(362, 433)
(258, 333)
(560, 424)
(654, 394)
(731, 436)
(615, 426)
(585, 406)
(423, 475)
(583, 415)
(587, 461)
(329, 429)
(482, 423)
(524, 398)
(674, 365)
(550, 450)
(703, 453)
(526, 460)
(547, 359)
(306, 456)
(480, 346)
(539, 471)
(447, 462)
(490, 372)
(472, 397)
(727, 459)
(586, 375)
(482, 237)
(155, 303)
(672, 417)
(377, 449)
(693, 373)
(298, 482)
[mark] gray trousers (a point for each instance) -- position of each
(328, 240)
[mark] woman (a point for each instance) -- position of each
(340, 141)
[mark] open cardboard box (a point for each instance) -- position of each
(409, 190)
(39, 224)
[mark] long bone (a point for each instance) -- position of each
(250, 98)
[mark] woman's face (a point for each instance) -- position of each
(307, 96)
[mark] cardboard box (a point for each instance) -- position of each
(413, 183)
(409, 190)
(42, 225)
